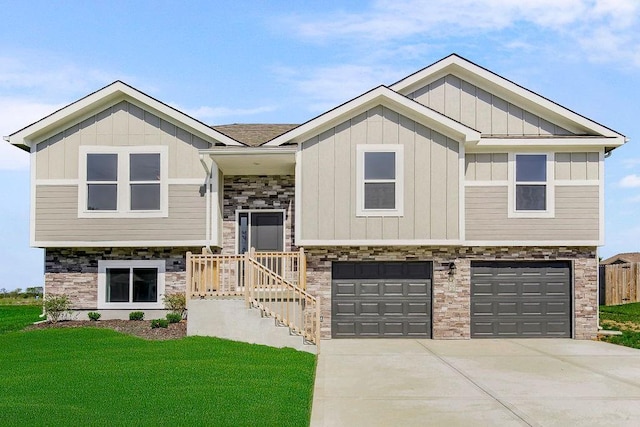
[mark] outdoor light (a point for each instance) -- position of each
(452, 270)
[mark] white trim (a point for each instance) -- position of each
(461, 193)
(104, 98)
(407, 242)
(601, 196)
(478, 183)
(549, 212)
(381, 95)
(511, 92)
(380, 242)
(548, 141)
(577, 182)
(123, 209)
(116, 243)
(562, 243)
(297, 204)
(32, 196)
(361, 150)
(186, 181)
(57, 182)
(102, 286)
(214, 222)
(252, 211)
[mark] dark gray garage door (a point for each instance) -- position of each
(381, 299)
(520, 299)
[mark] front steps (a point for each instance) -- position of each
(230, 318)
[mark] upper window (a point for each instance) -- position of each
(531, 193)
(123, 181)
(130, 284)
(531, 182)
(380, 180)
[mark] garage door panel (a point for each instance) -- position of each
(528, 299)
(391, 300)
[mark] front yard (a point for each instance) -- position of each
(625, 318)
(92, 376)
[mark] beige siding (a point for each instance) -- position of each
(329, 181)
(483, 111)
(577, 166)
(57, 218)
(486, 167)
(121, 125)
(576, 216)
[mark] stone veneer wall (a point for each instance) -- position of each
(254, 192)
(74, 271)
(452, 299)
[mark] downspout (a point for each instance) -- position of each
(207, 185)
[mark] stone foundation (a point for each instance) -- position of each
(74, 271)
(452, 296)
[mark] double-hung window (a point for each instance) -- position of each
(130, 284)
(380, 185)
(532, 190)
(123, 181)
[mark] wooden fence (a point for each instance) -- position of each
(621, 283)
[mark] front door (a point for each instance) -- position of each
(263, 231)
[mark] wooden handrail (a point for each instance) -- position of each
(274, 282)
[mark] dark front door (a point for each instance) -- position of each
(261, 230)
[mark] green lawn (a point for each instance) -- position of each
(625, 318)
(16, 317)
(90, 376)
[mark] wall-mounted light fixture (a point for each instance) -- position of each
(452, 271)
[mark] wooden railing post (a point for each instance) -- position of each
(189, 285)
(317, 331)
(247, 273)
(302, 270)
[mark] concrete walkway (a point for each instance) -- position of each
(547, 382)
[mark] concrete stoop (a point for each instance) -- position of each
(231, 319)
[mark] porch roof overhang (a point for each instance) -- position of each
(253, 160)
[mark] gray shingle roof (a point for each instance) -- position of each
(253, 134)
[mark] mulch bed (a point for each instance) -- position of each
(138, 328)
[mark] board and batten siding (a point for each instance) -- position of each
(328, 182)
(481, 110)
(123, 124)
(576, 216)
(486, 167)
(57, 218)
(577, 166)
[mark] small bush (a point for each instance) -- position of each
(136, 315)
(174, 317)
(176, 303)
(159, 323)
(93, 315)
(55, 306)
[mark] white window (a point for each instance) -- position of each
(131, 284)
(380, 184)
(123, 181)
(531, 186)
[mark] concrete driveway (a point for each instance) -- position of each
(546, 382)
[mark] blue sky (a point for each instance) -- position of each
(285, 62)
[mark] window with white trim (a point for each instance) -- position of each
(380, 185)
(123, 181)
(131, 284)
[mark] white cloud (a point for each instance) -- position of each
(630, 181)
(206, 113)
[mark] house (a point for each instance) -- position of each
(622, 258)
(453, 203)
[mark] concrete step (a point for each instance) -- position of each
(231, 319)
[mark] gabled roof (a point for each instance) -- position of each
(509, 91)
(253, 135)
(384, 96)
(623, 258)
(102, 99)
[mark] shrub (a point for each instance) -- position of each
(136, 315)
(174, 317)
(159, 323)
(93, 315)
(176, 303)
(55, 306)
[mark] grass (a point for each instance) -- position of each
(625, 318)
(16, 317)
(89, 376)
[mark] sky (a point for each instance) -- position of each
(286, 62)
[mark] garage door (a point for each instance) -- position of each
(520, 299)
(381, 299)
